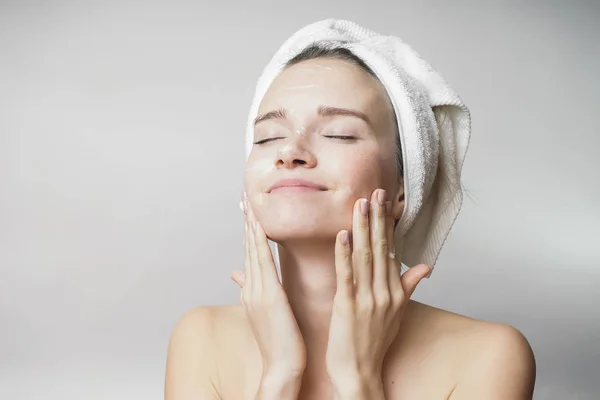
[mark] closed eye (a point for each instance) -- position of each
(341, 137)
(266, 140)
(327, 136)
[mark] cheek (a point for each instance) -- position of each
(255, 172)
(361, 173)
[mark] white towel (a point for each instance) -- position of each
(435, 129)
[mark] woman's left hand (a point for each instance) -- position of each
(371, 295)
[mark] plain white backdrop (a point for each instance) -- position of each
(121, 162)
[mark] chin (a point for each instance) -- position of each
(298, 217)
(283, 229)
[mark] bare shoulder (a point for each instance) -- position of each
(218, 323)
(191, 364)
(229, 314)
(500, 364)
(210, 347)
(233, 335)
(472, 338)
(237, 355)
(484, 355)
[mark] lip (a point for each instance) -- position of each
(296, 183)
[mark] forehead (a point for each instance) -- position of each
(302, 87)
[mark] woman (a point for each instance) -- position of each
(324, 180)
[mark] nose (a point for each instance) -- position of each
(295, 152)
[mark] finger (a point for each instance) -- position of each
(266, 265)
(379, 242)
(393, 270)
(362, 258)
(343, 266)
(238, 277)
(256, 284)
(247, 261)
(246, 272)
(412, 277)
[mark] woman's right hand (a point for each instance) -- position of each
(267, 307)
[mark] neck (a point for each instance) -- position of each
(309, 280)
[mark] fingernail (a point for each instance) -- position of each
(381, 197)
(345, 239)
(364, 206)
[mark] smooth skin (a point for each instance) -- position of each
(367, 308)
(314, 335)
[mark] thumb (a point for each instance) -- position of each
(238, 277)
(411, 278)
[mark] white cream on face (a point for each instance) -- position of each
(299, 93)
(315, 65)
(315, 77)
(283, 151)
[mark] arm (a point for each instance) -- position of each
(191, 370)
(504, 368)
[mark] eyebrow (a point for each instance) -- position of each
(324, 111)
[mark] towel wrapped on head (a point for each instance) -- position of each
(433, 123)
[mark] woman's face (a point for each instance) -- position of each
(300, 139)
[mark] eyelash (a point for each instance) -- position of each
(327, 136)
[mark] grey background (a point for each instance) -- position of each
(121, 161)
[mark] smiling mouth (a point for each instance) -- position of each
(296, 189)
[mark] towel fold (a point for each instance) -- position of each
(434, 128)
